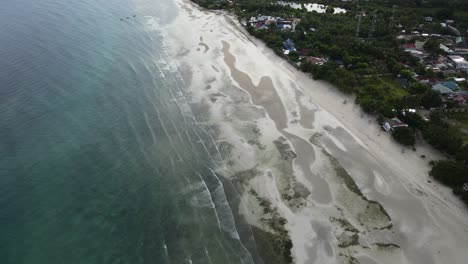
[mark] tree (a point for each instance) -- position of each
(362, 65)
(450, 172)
(431, 99)
(462, 154)
(368, 105)
(437, 134)
(417, 88)
(413, 120)
(294, 55)
(432, 45)
(404, 135)
(445, 13)
(405, 73)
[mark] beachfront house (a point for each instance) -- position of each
(392, 124)
(289, 45)
(316, 60)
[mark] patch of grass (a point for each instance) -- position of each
(460, 125)
(272, 248)
(345, 224)
(348, 240)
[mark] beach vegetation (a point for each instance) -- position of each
(404, 135)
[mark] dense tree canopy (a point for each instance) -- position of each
(404, 135)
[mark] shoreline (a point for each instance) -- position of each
(422, 148)
(339, 139)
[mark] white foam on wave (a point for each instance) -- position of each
(208, 256)
(152, 23)
(202, 198)
(226, 217)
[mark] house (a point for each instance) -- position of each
(445, 48)
(454, 30)
(409, 46)
(441, 89)
(457, 79)
(391, 124)
(419, 45)
(460, 99)
(450, 84)
(316, 60)
(459, 62)
(416, 53)
(428, 19)
(305, 51)
(284, 26)
(289, 45)
(428, 80)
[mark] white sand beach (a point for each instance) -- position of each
(347, 190)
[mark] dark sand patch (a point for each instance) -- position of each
(293, 193)
(373, 216)
(263, 95)
(305, 157)
(275, 246)
(307, 115)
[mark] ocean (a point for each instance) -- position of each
(103, 159)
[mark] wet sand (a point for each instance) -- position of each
(346, 190)
(263, 95)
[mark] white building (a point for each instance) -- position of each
(460, 62)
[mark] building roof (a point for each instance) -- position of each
(316, 60)
(450, 84)
(409, 46)
(459, 79)
(429, 80)
(441, 89)
(457, 59)
(305, 51)
(395, 122)
(419, 45)
(289, 45)
(445, 48)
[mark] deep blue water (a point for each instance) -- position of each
(101, 158)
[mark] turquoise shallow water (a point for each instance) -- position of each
(102, 158)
